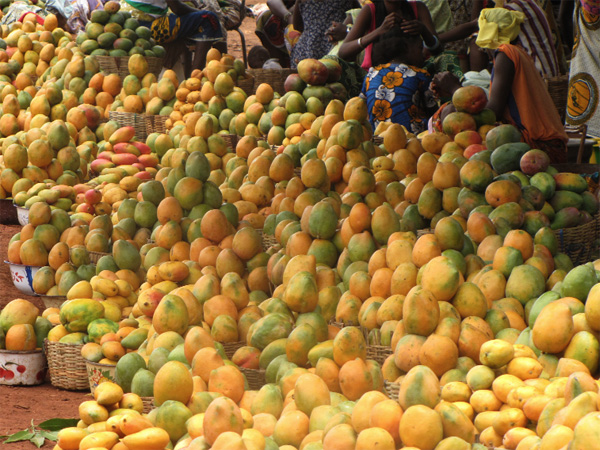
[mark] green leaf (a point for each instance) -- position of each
(50, 435)
(38, 440)
(58, 424)
(20, 436)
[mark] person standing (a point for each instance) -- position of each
(313, 18)
(582, 97)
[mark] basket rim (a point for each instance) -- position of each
(95, 364)
(22, 352)
(20, 265)
(49, 342)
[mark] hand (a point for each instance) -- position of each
(444, 84)
(413, 27)
(391, 20)
(336, 32)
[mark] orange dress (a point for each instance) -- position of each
(530, 108)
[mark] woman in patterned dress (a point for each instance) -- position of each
(397, 88)
(313, 18)
(582, 99)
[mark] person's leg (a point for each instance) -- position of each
(200, 51)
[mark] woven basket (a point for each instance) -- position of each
(577, 242)
(297, 171)
(558, 88)
(137, 121)
(231, 347)
(255, 377)
(268, 241)
(156, 124)
(246, 84)
(274, 77)
(391, 389)
(99, 373)
(148, 404)
(95, 256)
(66, 366)
(119, 65)
(231, 140)
(424, 231)
(375, 350)
(53, 301)
(377, 140)
(342, 324)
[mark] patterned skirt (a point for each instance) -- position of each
(582, 99)
(201, 25)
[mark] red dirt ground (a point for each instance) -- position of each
(19, 405)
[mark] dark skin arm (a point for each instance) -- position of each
(460, 32)
(423, 26)
(180, 8)
(350, 48)
(280, 8)
(477, 7)
(297, 18)
(504, 74)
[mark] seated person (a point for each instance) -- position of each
(518, 94)
(257, 57)
(380, 16)
(271, 28)
(182, 24)
(396, 88)
(312, 18)
(534, 36)
(338, 31)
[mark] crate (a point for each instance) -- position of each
(231, 347)
(578, 242)
(148, 403)
(66, 366)
(255, 377)
(273, 77)
(246, 84)
(375, 349)
(119, 65)
(126, 119)
(156, 124)
(53, 301)
(231, 140)
(391, 389)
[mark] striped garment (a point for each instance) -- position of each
(536, 37)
